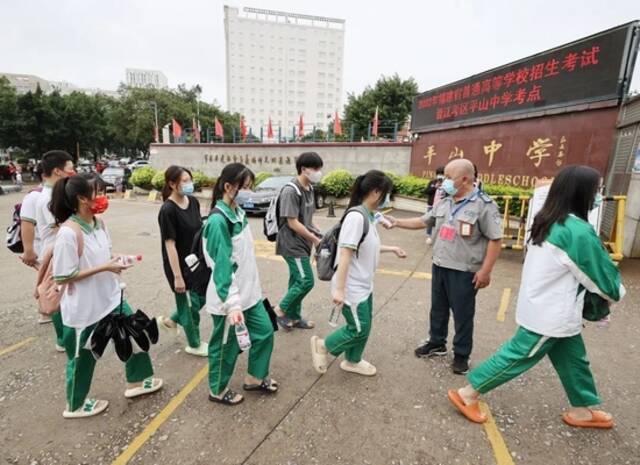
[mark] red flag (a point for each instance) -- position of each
(301, 127)
(177, 129)
(243, 129)
(218, 128)
(269, 130)
(337, 126)
(374, 128)
(196, 131)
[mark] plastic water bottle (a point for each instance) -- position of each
(242, 335)
(379, 218)
(130, 259)
(335, 316)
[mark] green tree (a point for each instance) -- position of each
(8, 114)
(392, 95)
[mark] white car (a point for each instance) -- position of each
(138, 164)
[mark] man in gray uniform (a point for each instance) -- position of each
(468, 240)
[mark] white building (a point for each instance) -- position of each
(281, 65)
(146, 78)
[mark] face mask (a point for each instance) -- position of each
(449, 187)
(597, 201)
(386, 202)
(187, 188)
(314, 176)
(100, 204)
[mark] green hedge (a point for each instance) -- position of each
(514, 205)
(338, 183)
(142, 177)
(158, 180)
(411, 186)
(261, 177)
(201, 180)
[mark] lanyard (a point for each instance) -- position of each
(461, 204)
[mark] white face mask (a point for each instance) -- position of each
(314, 176)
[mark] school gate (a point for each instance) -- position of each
(525, 120)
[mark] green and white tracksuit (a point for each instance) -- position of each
(357, 310)
(187, 315)
(300, 284)
(549, 312)
(234, 285)
(84, 303)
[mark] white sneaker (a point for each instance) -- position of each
(59, 348)
(201, 351)
(363, 367)
(165, 324)
(44, 319)
(429, 241)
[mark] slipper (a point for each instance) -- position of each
(149, 386)
(90, 408)
(317, 356)
(285, 322)
(363, 367)
(227, 398)
(304, 324)
(598, 420)
(162, 322)
(267, 385)
(472, 412)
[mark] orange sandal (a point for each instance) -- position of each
(598, 420)
(472, 412)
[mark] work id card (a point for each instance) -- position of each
(447, 233)
(466, 229)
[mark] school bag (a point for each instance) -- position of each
(198, 273)
(14, 231)
(270, 224)
(48, 291)
(327, 250)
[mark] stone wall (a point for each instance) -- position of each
(358, 158)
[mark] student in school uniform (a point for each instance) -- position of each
(180, 220)
(91, 291)
(565, 261)
(56, 164)
(352, 283)
(234, 295)
(297, 235)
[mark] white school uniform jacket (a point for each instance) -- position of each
(87, 301)
(45, 222)
(235, 283)
(28, 214)
(362, 269)
(556, 274)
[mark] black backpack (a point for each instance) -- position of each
(198, 275)
(327, 250)
(14, 231)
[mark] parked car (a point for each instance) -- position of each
(257, 201)
(138, 164)
(115, 177)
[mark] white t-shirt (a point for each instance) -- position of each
(28, 213)
(87, 301)
(45, 222)
(359, 285)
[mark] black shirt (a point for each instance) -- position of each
(181, 226)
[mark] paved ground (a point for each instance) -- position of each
(399, 417)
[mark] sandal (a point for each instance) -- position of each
(285, 322)
(227, 398)
(163, 323)
(472, 412)
(304, 324)
(90, 408)
(268, 385)
(318, 357)
(598, 420)
(149, 386)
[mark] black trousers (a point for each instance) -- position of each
(452, 289)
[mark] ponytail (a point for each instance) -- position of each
(62, 206)
(365, 183)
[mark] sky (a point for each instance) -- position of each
(90, 43)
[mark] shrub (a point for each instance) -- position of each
(142, 177)
(158, 180)
(411, 186)
(338, 183)
(261, 177)
(201, 180)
